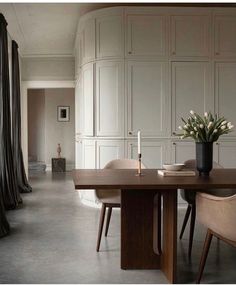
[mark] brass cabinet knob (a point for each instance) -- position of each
(129, 52)
(130, 133)
(173, 52)
(217, 143)
(174, 133)
(217, 53)
(174, 143)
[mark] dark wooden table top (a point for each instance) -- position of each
(126, 179)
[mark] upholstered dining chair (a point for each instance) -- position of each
(189, 196)
(218, 214)
(112, 198)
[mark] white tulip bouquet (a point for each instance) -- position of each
(204, 129)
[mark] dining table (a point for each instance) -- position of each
(148, 227)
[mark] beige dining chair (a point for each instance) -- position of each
(189, 196)
(111, 198)
(218, 214)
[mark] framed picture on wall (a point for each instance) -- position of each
(63, 113)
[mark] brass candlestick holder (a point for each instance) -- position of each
(139, 173)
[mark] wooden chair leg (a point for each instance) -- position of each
(191, 232)
(188, 211)
(108, 220)
(102, 217)
(205, 251)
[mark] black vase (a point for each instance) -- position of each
(204, 156)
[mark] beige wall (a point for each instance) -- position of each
(60, 132)
(36, 124)
(43, 68)
(45, 132)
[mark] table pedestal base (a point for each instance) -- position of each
(141, 231)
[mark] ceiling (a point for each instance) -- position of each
(49, 29)
(45, 29)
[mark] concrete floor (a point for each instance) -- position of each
(53, 240)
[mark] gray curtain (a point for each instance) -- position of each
(4, 226)
(9, 186)
(23, 184)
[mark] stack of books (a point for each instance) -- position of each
(185, 172)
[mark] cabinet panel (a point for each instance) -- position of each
(88, 40)
(225, 31)
(78, 108)
(227, 154)
(190, 90)
(89, 152)
(182, 151)
(146, 98)
(87, 99)
(190, 35)
(153, 153)
(146, 35)
(78, 154)
(109, 150)
(109, 36)
(110, 98)
(185, 150)
(225, 86)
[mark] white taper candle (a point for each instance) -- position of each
(139, 142)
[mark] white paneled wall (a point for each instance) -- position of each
(145, 68)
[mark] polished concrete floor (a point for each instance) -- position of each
(53, 240)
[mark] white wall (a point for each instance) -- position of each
(44, 131)
(43, 68)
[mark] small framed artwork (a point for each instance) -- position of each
(63, 113)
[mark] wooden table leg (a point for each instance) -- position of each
(169, 248)
(138, 243)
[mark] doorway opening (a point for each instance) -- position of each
(51, 121)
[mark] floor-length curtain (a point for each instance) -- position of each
(9, 186)
(4, 226)
(23, 184)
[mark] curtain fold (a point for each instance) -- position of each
(4, 226)
(9, 186)
(23, 184)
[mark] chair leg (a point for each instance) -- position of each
(191, 232)
(188, 211)
(108, 220)
(102, 217)
(205, 251)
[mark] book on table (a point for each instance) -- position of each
(164, 172)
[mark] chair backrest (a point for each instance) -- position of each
(191, 163)
(117, 164)
(188, 195)
(123, 164)
(218, 214)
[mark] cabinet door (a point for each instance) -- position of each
(153, 153)
(227, 154)
(225, 86)
(225, 31)
(146, 98)
(190, 90)
(78, 154)
(87, 100)
(89, 154)
(109, 36)
(109, 150)
(190, 35)
(110, 98)
(146, 35)
(182, 151)
(78, 108)
(88, 40)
